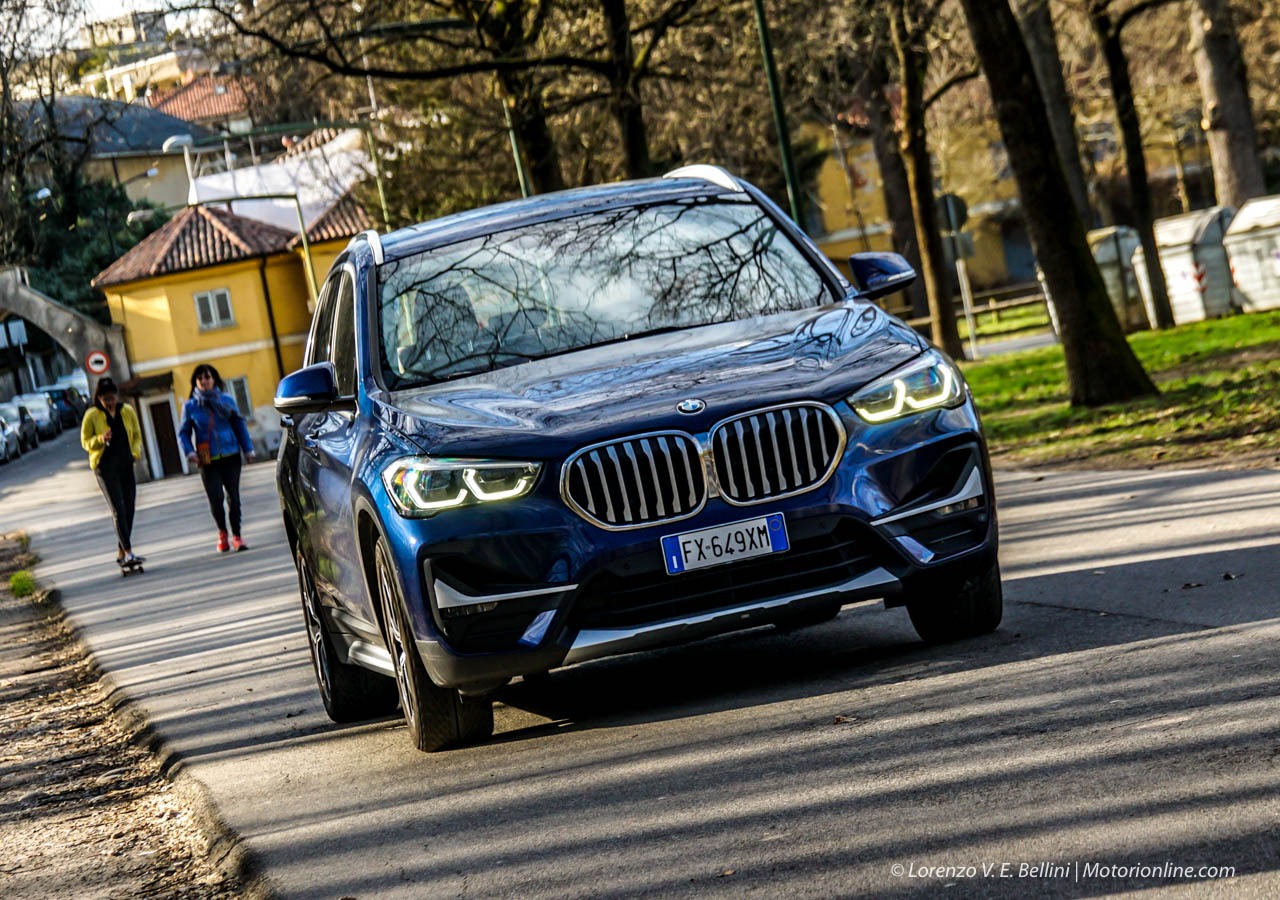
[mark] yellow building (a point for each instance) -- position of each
(213, 287)
(970, 163)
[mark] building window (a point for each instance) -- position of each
(213, 309)
(238, 388)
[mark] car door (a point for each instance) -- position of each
(328, 441)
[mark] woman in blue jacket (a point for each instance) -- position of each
(213, 434)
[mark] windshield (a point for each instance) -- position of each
(606, 276)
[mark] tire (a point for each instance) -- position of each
(349, 693)
(437, 717)
(975, 608)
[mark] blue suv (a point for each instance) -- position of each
(610, 419)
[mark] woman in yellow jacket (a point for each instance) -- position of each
(110, 434)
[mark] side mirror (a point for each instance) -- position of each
(308, 390)
(878, 274)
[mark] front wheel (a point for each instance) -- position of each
(349, 693)
(975, 607)
(437, 717)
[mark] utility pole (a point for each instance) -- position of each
(779, 115)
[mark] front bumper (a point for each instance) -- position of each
(497, 600)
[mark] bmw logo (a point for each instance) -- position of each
(691, 406)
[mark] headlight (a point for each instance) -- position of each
(927, 383)
(423, 487)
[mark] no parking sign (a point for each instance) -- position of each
(97, 362)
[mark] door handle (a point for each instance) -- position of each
(310, 444)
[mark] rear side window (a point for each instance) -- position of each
(320, 347)
(344, 338)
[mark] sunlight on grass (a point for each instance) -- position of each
(1218, 383)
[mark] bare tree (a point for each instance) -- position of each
(1107, 29)
(1101, 367)
(1227, 116)
(909, 24)
(886, 144)
(1036, 22)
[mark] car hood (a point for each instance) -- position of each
(549, 407)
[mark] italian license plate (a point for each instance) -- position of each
(725, 543)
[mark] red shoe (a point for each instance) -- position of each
(223, 546)
(237, 544)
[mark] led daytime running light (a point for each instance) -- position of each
(469, 478)
(904, 403)
(407, 482)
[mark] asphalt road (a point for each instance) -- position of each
(1121, 724)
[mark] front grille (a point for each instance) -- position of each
(824, 552)
(775, 452)
(636, 481)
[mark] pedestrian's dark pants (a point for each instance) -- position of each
(121, 490)
(219, 476)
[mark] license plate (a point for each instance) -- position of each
(725, 543)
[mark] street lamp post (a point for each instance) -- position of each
(779, 115)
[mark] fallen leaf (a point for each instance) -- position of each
(726, 873)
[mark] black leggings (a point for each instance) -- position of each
(121, 490)
(223, 475)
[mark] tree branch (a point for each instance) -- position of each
(957, 78)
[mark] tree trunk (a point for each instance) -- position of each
(1135, 160)
(915, 152)
(624, 100)
(893, 180)
(505, 30)
(1036, 23)
(1101, 368)
(1227, 117)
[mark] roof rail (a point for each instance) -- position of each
(713, 174)
(375, 244)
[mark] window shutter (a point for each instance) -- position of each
(204, 310)
(222, 299)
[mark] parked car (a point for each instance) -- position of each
(67, 402)
(10, 441)
(20, 417)
(609, 419)
(48, 421)
(77, 381)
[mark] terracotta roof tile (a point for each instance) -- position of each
(207, 97)
(346, 218)
(315, 139)
(197, 237)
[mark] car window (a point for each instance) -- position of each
(344, 338)
(320, 345)
(572, 283)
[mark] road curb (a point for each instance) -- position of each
(225, 848)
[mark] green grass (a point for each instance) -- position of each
(1219, 401)
(993, 325)
(21, 583)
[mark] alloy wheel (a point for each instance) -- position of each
(315, 629)
(395, 642)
